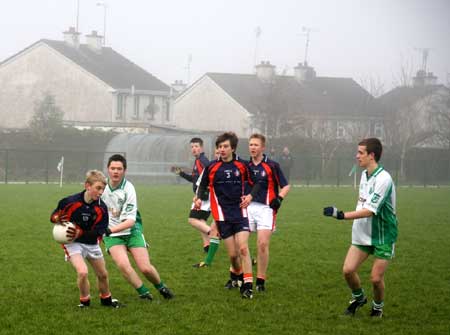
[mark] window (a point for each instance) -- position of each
(121, 106)
(136, 107)
(378, 130)
(340, 130)
(151, 109)
(167, 104)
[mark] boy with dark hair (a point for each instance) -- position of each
(374, 230)
(199, 215)
(226, 179)
(125, 234)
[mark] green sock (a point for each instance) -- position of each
(358, 294)
(142, 290)
(159, 286)
(213, 246)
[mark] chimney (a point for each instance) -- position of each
(94, 41)
(72, 37)
(424, 79)
(430, 79)
(178, 86)
(265, 72)
(304, 72)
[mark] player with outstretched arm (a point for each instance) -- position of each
(374, 230)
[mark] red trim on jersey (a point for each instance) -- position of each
(215, 207)
(199, 165)
(245, 176)
(69, 209)
(270, 183)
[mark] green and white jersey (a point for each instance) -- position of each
(122, 205)
(377, 194)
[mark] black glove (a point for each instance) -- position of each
(108, 232)
(275, 204)
(334, 212)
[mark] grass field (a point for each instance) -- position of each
(305, 290)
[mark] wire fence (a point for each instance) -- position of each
(24, 166)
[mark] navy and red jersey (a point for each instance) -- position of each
(91, 218)
(200, 164)
(226, 183)
(270, 177)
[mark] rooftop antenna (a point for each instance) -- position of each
(306, 31)
(258, 32)
(188, 68)
(78, 15)
(424, 52)
(105, 7)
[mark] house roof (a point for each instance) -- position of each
(107, 65)
(404, 96)
(320, 96)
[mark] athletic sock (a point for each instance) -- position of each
(260, 281)
(206, 248)
(142, 290)
(248, 278)
(358, 294)
(85, 301)
(213, 246)
(106, 299)
(159, 286)
(377, 305)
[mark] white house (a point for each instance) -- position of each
(95, 86)
(278, 105)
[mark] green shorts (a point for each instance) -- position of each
(134, 240)
(383, 251)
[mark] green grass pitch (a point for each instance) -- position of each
(306, 293)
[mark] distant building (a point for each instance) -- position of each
(279, 105)
(95, 86)
(420, 113)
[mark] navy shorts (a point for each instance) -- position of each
(199, 214)
(229, 228)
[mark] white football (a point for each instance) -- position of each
(60, 232)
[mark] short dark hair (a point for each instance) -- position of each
(197, 140)
(260, 137)
(228, 136)
(118, 158)
(373, 145)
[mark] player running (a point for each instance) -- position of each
(124, 233)
(89, 214)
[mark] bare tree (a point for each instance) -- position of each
(410, 124)
(373, 84)
(272, 113)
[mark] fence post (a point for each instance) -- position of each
(46, 166)
(6, 166)
(338, 172)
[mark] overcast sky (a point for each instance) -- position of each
(349, 38)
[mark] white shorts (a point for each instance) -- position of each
(206, 206)
(261, 217)
(92, 251)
